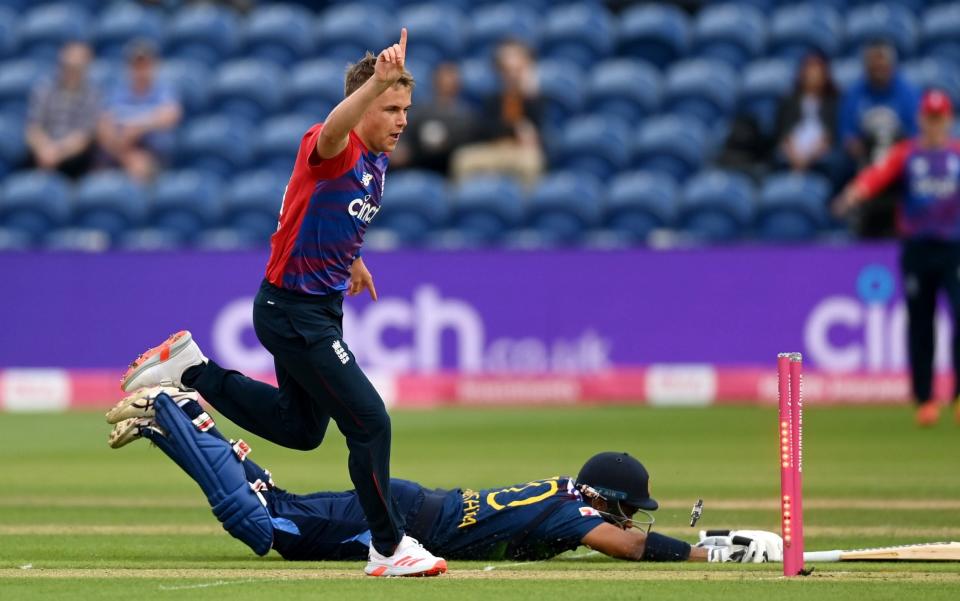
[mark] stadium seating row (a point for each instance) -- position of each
(615, 95)
(191, 205)
(583, 31)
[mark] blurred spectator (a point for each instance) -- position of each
(509, 123)
(745, 148)
(436, 128)
(62, 115)
(927, 170)
(877, 111)
(806, 126)
(136, 128)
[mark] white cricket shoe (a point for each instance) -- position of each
(130, 430)
(163, 364)
(410, 559)
(140, 403)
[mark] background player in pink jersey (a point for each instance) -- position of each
(332, 196)
(928, 218)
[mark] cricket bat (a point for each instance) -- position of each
(921, 552)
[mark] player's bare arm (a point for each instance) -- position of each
(346, 115)
(627, 544)
(360, 279)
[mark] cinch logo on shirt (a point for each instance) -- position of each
(341, 352)
(362, 209)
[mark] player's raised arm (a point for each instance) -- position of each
(346, 115)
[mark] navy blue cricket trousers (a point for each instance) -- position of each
(318, 379)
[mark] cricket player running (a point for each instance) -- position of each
(927, 168)
(333, 194)
(531, 521)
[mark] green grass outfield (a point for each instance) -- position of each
(81, 521)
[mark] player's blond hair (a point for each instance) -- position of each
(362, 70)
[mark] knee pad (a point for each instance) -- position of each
(214, 465)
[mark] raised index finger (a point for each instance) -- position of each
(403, 40)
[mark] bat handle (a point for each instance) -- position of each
(822, 556)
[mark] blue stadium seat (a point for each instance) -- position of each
(17, 77)
(14, 240)
(765, 82)
(489, 25)
(717, 206)
(561, 89)
(641, 202)
(422, 72)
(914, 6)
(486, 206)
(935, 73)
(792, 207)
(846, 71)
(564, 205)
(670, 144)
(248, 89)
(478, 80)
(940, 32)
(186, 202)
(415, 204)
(191, 80)
(625, 88)
(582, 33)
(279, 33)
(109, 201)
(703, 89)
(44, 29)
(837, 5)
(9, 24)
(658, 34)
(77, 239)
(437, 32)
(228, 239)
(526, 238)
(796, 29)
(203, 32)
(217, 143)
(13, 148)
(315, 87)
(151, 239)
(461, 5)
(276, 142)
(123, 22)
(34, 202)
(732, 33)
(252, 202)
(882, 20)
(105, 73)
(596, 144)
(348, 31)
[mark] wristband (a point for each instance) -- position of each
(664, 548)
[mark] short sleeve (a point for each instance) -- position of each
(334, 166)
(570, 523)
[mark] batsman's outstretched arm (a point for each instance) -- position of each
(346, 115)
(634, 545)
(739, 546)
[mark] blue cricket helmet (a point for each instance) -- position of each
(618, 477)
